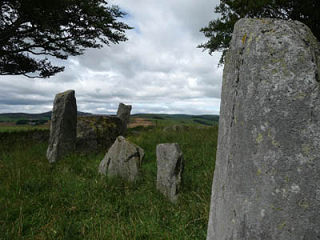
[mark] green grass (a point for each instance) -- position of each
(69, 200)
(11, 119)
(14, 117)
(22, 128)
(162, 120)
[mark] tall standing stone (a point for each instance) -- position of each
(170, 165)
(124, 114)
(266, 182)
(63, 128)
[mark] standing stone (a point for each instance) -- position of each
(170, 164)
(123, 159)
(124, 114)
(63, 128)
(266, 182)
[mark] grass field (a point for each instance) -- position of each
(162, 120)
(19, 128)
(69, 200)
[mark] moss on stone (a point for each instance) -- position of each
(304, 203)
(97, 132)
(300, 96)
(259, 172)
(306, 150)
(259, 138)
(287, 179)
(282, 225)
(276, 208)
(244, 38)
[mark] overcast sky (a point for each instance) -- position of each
(158, 70)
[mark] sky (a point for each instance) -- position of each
(158, 70)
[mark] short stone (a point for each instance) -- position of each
(170, 165)
(123, 159)
(124, 114)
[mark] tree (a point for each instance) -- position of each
(219, 31)
(58, 28)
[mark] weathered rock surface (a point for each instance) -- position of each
(96, 133)
(170, 165)
(123, 159)
(266, 182)
(124, 114)
(63, 128)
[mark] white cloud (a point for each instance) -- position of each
(158, 70)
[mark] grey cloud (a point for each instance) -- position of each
(22, 101)
(194, 14)
(194, 106)
(158, 70)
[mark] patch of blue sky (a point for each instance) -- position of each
(129, 19)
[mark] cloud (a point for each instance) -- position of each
(159, 70)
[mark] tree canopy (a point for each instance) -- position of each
(58, 28)
(219, 31)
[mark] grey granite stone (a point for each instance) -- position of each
(63, 128)
(266, 182)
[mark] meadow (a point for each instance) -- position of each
(69, 200)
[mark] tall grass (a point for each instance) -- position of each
(69, 200)
(22, 128)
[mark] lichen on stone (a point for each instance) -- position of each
(259, 138)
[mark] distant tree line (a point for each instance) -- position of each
(31, 122)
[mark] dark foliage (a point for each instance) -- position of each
(202, 122)
(58, 28)
(158, 117)
(31, 122)
(219, 31)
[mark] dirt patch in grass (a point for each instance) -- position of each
(7, 124)
(135, 122)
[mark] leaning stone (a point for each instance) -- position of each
(123, 159)
(124, 114)
(170, 165)
(63, 126)
(266, 182)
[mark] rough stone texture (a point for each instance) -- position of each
(123, 159)
(124, 114)
(63, 128)
(266, 182)
(170, 165)
(96, 133)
